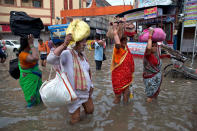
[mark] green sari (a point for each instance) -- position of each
(30, 81)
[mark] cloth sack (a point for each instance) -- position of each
(158, 35)
(58, 32)
(14, 69)
(58, 91)
(21, 24)
(79, 30)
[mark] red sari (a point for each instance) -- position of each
(122, 68)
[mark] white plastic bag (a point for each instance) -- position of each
(58, 91)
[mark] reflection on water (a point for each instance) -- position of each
(175, 109)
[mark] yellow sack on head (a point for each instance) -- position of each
(79, 30)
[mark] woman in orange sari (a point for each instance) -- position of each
(122, 66)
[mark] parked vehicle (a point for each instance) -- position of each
(177, 65)
(12, 45)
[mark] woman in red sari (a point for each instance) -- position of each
(122, 66)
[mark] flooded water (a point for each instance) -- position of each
(175, 109)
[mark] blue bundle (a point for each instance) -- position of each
(58, 32)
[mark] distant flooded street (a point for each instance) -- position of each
(175, 109)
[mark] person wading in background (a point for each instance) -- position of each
(42, 47)
(98, 54)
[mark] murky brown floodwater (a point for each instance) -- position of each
(175, 109)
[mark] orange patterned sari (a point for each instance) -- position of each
(122, 68)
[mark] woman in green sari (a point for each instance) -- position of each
(30, 74)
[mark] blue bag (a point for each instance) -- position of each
(58, 32)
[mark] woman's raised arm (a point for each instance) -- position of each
(63, 46)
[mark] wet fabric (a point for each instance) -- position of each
(122, 68)
(42, 48)
(153, 85)
(117, 55)
(98, 64)
(98, 54)
(30, 82)
(152, 73)
(23, 63)
(80, 80)
(43, 56)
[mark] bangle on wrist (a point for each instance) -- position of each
(150, 37)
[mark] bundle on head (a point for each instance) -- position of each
(120, 30)
(158, 35)
(79, 30)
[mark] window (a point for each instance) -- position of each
(16, 42)
(53, 11)
(25, 1)
(7, 2)
(79, 3)
(70, 4)
(32, 3)
(168, 32)
(65, 4)
(37, 3)
(8, 43)
(11, 2)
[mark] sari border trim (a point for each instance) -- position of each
(123, 58)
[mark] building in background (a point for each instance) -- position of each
(47, 10)
(98, 24)
(183, 25)
(189, 30)
(34, 8)
(146, 3)
(97, 14)
(50, 13)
